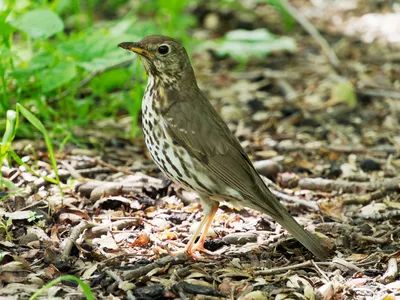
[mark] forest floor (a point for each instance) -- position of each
(326, 137)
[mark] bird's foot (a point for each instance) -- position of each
(199, 247)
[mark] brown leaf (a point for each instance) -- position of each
(142, 240)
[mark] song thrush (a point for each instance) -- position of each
(193, 146)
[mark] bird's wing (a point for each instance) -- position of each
(197, 127)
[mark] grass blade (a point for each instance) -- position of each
(86, 289)
(39, 126)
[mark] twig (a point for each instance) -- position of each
(74, 173)
(381, 149)
(387, 215)
(328, 185)
(370, 239)
(118, 280)
(296, 200)
(75, 233)
(288, 91)
(275, 190)
(311, 31)
(162, 262)
(391, 272)
(380, 193)
(347, 264)
(284, 269)
(320, 271)
(379, 93)
(104, 164)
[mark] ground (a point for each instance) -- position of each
(333, 163)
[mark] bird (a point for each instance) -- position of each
(194, 147)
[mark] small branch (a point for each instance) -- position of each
(347, 264)
(309, 204)
(119, 281)
(328, 185)
(370, 239)
(379, 93)
(104, 164)
(275, 190)
(162, 262)
(391, 272)
(75, 233)
(335, 263)
(368, 198)
(284, 269)
(311, 31)
(320, 271)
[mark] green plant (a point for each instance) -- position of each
(242, 44)
(34, 217)
(64, 66)
(5, 226)
(288, 20)
(7, 152)
(5, 145)
(86, 289)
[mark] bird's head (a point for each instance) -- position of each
(163, 58)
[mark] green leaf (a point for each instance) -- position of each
(61, 73)
(39, 126)
(40, 61)
(21, 163)
(39, 23)
(110, 80)
(9, 134)
(5, 29)
(86, 289)
(344, 92)
(288, 20)
(8, 137)
(242, 44)
(96, 50)
(8, 184)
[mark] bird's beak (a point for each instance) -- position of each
(135, 47)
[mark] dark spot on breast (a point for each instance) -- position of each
(178, 172)
(182, 151)
(150, 139)
(185, 168)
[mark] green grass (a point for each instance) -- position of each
(61, 62)
(85, 288)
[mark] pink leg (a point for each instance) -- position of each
(209, 213)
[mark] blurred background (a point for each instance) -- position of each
(59, 59)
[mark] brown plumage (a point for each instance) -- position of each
(191, 143)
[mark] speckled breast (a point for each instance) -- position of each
(170, 157)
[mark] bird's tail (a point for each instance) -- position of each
(316, 245)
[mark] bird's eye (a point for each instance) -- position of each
(163, 49)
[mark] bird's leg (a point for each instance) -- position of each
(209, 209)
